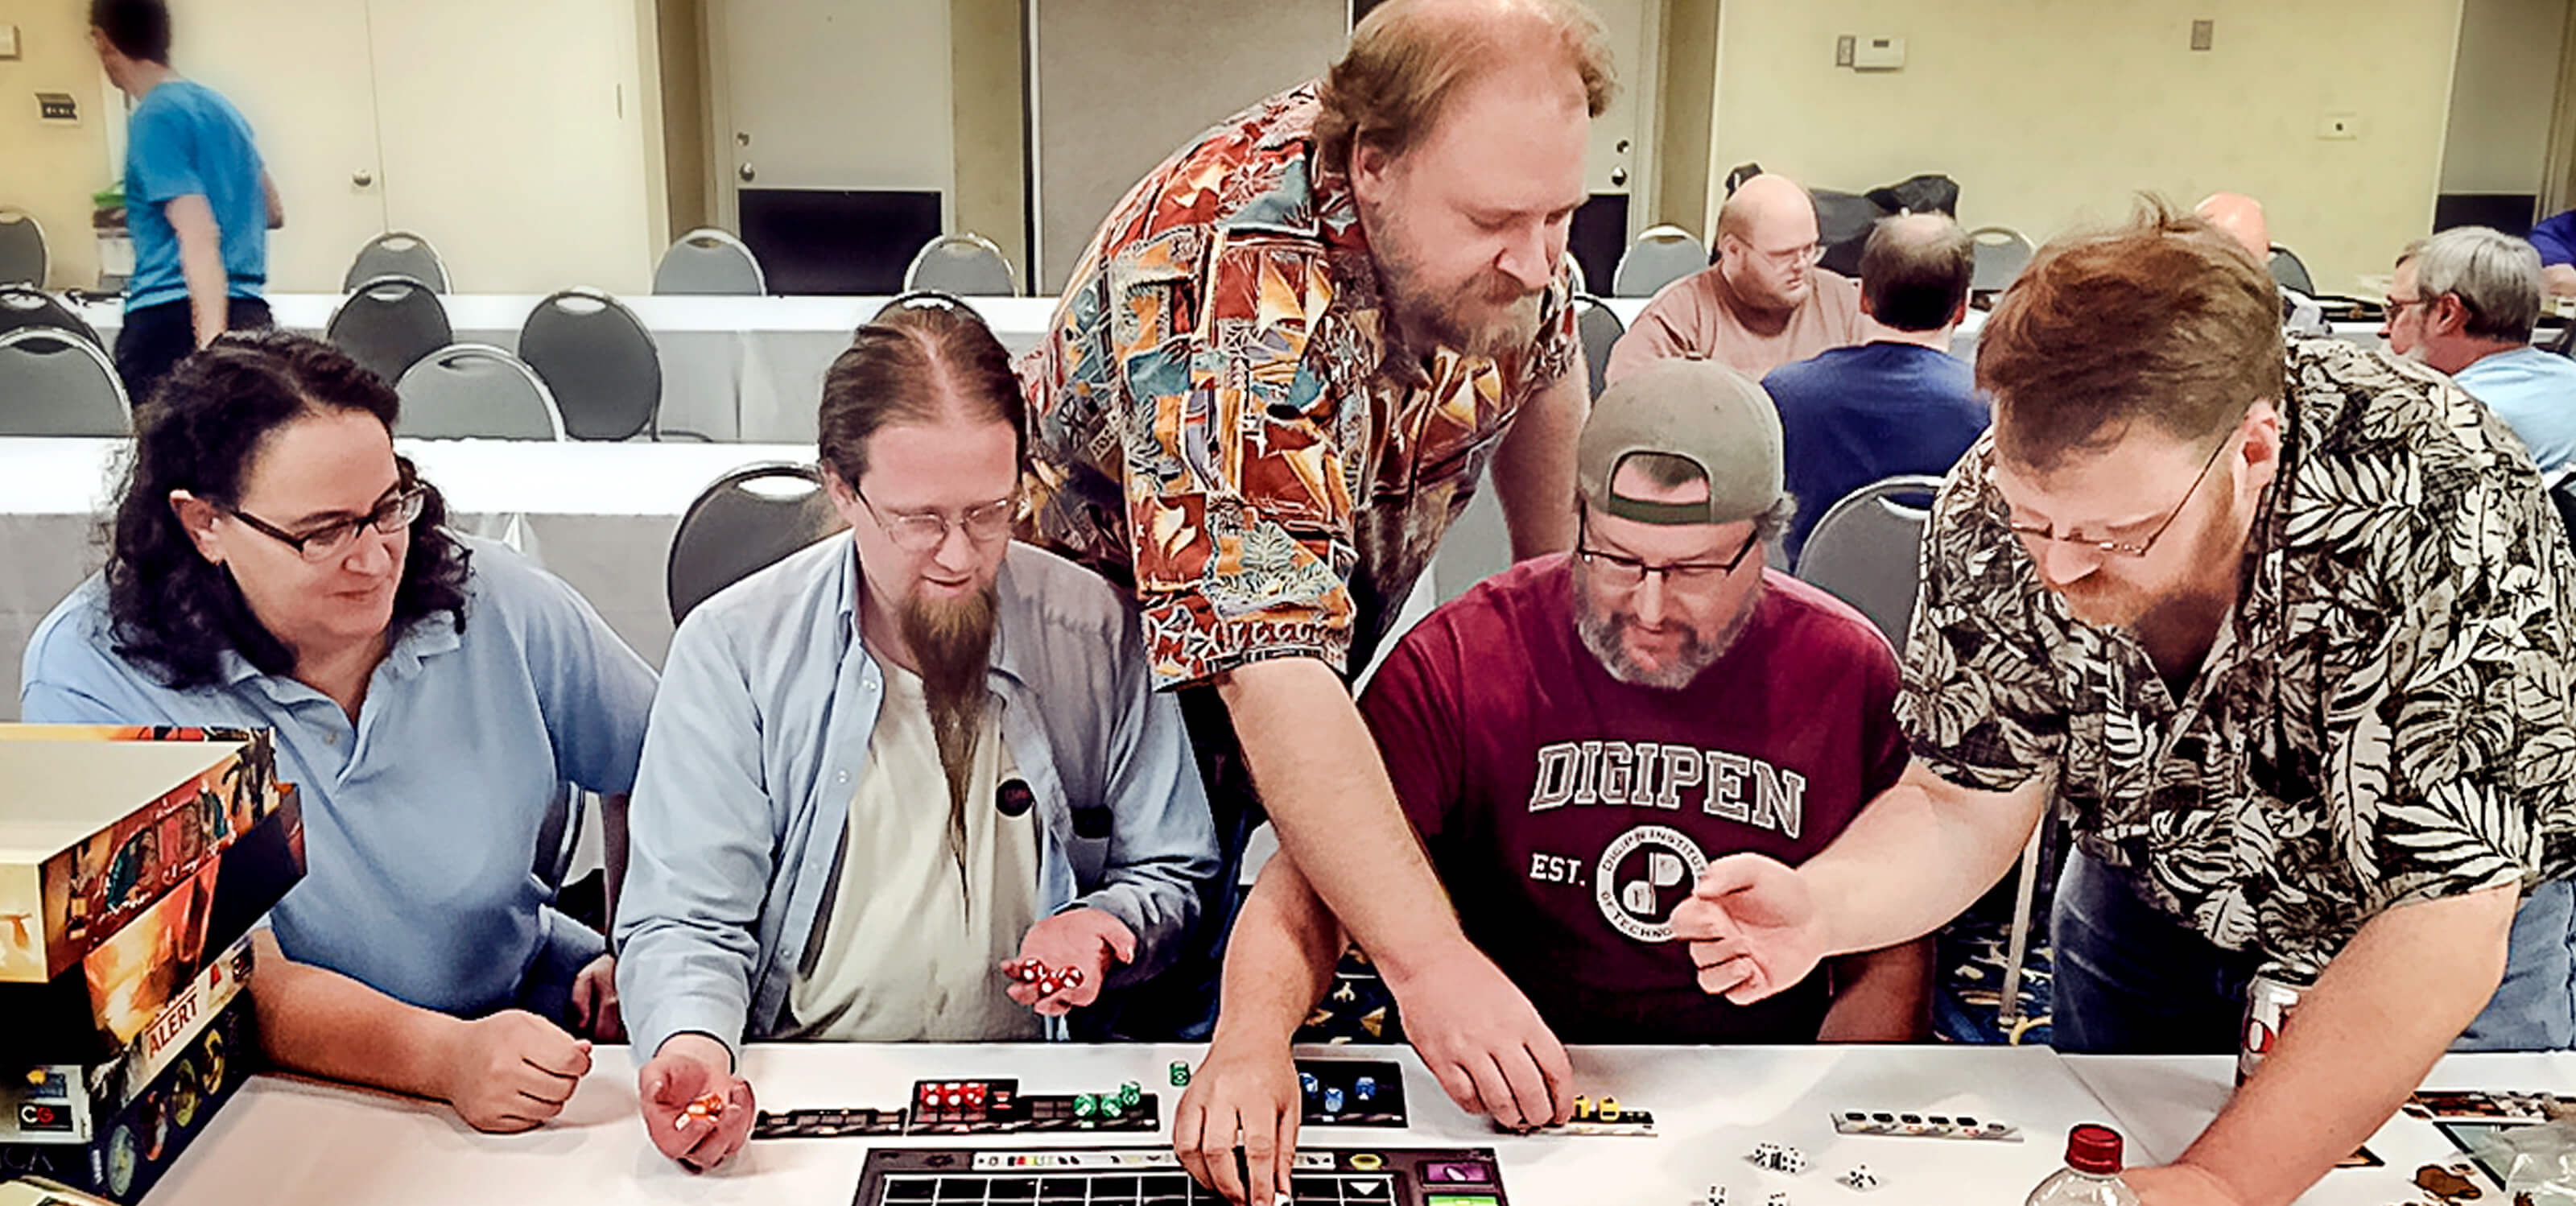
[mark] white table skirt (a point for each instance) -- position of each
(600, 516)
(1963, 342)
(1711, 1105)
(733, 368)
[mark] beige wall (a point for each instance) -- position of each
(2501, 86)
(682, 51)
(992, 143)
(51, 170)
(1689, 79)
(2051, 113)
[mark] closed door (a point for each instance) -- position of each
(1618, 159)
(322, 155)
(825, 94)
(515, 140)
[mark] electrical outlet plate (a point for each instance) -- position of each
(2203, 34)
(1843, 50)
(9, 42)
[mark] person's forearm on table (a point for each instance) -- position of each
(321, 1023)
(1328, 795)
(2358, 1043)
(1881, 996)
(1279, 960)
(1916, 857)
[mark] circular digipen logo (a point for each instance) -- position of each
(1642, 876)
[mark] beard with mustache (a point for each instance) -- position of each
(952, 644)
(1600, 629)
(2105, 602)
(1430, 316)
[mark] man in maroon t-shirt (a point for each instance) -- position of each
(1575, 739)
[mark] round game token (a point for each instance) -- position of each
(1307, 1082)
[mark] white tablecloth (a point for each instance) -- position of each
(600, 516)
(733, 368)
(286, 1142)
(1963, 342)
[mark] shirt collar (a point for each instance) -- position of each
(1003, 661)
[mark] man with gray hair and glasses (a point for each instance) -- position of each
(2464, 302)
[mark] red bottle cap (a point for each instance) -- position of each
(2093, 1148)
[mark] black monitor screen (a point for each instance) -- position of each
(833, 241)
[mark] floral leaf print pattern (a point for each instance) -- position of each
(2386, 720)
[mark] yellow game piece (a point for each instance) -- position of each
(1609, 1111)
(1582, 1108)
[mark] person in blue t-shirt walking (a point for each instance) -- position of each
(197, 201)
(1898, 404)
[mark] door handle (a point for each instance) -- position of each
(747, 174)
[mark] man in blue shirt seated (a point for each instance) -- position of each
(1900, 403)
(910, 784)
(197, 201)
(2556, 239)
(2464, 302)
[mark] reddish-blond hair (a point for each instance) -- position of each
(1408, 58)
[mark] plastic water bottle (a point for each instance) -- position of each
(2092, 1173)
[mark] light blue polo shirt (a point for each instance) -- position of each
(421, 820)
(185, 140)
(2534, 392)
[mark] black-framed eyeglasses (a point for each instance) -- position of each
(922, 531)
(1622, 572)
(2035, 532)
(394, 513)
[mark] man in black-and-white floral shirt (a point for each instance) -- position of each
(2282, 634)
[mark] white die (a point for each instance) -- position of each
(1777, 1199)
(1791, 1160)
(1860, 1178)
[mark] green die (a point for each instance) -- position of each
(1180, 1074)
(1086, 1106)
(1130, 1093)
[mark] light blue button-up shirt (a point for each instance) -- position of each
(421, 819)
(2534, 392)
(759, 740)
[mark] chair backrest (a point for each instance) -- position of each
(397, 253)
(28, 306)
(710, 261)
(22, 249)
(742, 523)
(2289, 272)
(1574, 276)
(388, 324)
(1660, 256)
(2564, 495)
(1599, 329)
(598, 359)
(2002, 253)
(55, 383)
(474, 391)
(965, 264)
(1866, 551)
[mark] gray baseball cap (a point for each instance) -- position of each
(1700, 411)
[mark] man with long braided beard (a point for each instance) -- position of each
(896, 769)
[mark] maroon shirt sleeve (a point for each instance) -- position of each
(1411, 706)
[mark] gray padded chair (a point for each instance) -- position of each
(599, 361)
(22, 249)
(964, 264)
(55, 383)
(744, 522)
(1660, 256)
(397, 253)
(1866, 551)
(28, 306)
(2290, 272)
(1599, 329)
(388, 324)
(473, 391)
(709, 261)
(2002, 253)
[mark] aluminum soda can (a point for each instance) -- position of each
(2268, 1003)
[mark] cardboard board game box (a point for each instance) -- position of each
(37, 1191)
(128, 856)
(70, 1103)
(139, 1141)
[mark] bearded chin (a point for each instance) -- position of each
(952, 643)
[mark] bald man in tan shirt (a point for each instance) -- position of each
(1764, 303)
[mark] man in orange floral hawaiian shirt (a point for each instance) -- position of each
(1273, 380)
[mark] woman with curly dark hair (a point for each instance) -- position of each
(273, 563)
